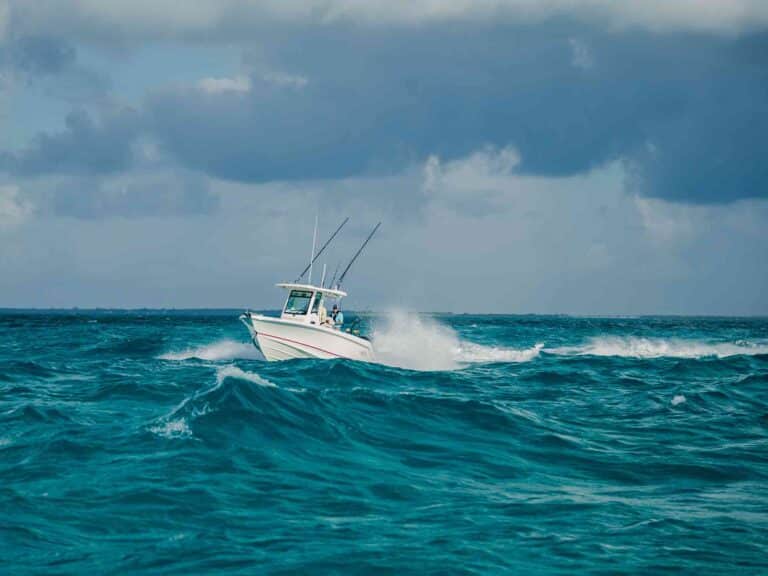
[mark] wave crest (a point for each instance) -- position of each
(235, 372)
(218, 351)
(172, 429)
(635, 347)
(176, 424)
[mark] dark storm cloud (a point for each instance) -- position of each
(139, 194)
(84, 146)
(48, 66)
(39, 55)
(712, 148)
(687, 113)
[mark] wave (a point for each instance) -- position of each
(635, 347)
(177, 428)
(176, 423)
(235, 372)
(419, 343)
(416, 342)
(470, 352)
(678, 399)
(138, 346)
(216, 352)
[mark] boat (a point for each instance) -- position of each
(299, 332)
(304, 328)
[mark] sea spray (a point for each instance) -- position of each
(419, 342)
(637, 347)
(222, 350)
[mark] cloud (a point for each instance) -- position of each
(4, 11)
(702, 107)
(667, 223)
(47, 68)
(241, 84)
(40, 55)
(156, 193)
(290, 80)
(581, 54)
(85, 145)
(236, 19)
(575, 244)
(14, 210)
(711, 149)
(381, 101)
(487, 168)
(475, 184)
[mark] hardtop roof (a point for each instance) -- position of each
(330, 292)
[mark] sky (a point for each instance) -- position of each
(524, 156)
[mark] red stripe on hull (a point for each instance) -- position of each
(304, 344)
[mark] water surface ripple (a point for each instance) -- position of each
(160, 443)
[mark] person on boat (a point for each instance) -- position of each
(323, 314)
(337, 315)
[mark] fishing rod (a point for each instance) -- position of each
(335, 273)
(316, 256)
(343, 274)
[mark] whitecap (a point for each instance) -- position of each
(217, 351)
(636, 347)
(678, 399)
(177, 428)
(173, 425)
(235, 372)
(471, 352)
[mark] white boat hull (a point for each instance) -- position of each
(281, 339)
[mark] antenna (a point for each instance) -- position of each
(359, 250)
(322, 280)
(319, 252)
(312, 258)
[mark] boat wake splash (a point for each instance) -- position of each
(636, 347)
(221, 350)
(417, 342)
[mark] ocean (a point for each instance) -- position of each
(159, 442)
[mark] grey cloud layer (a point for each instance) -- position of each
(39, 55)
(686, 113)
(496, 143)
(50, 65)
(577, 245)
(85, 146)
(115, 20)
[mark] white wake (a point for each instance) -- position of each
(636, 347)
(218, 351)
(418, 342)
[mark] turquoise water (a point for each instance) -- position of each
(160, 443)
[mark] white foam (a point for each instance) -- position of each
(634, 347)
(172, 429)
(678, 399)
(471, 352)
(235, 372)
(218, 351)
(421, 343)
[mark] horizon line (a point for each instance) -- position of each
(70, 309)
